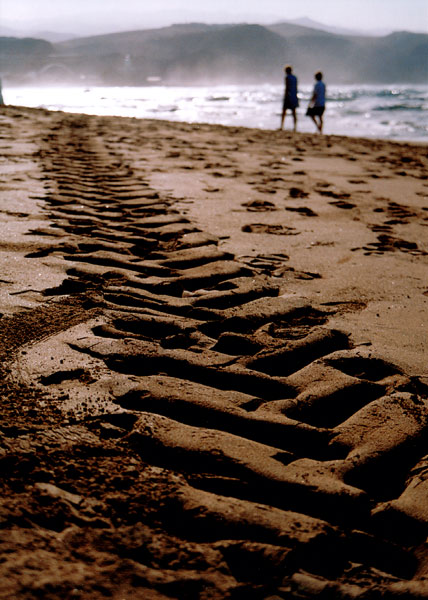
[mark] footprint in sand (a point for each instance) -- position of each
(297, 193)
(265, 263)
(303, 210)
(400, 213)
(342, 204)
(388, 243)
(259, 206)
(211, 190)
(381, 228)
(271, 229)
(331, 194)
(275, 265)
(265, 190)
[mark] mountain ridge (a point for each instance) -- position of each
(198, 53)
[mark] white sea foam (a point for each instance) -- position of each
(396, 112)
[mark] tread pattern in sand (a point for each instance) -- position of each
(248, 450)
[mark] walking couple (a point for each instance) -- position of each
(316, 104)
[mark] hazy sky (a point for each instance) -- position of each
(98, 16)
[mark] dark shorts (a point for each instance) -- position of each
(288, 103)
(315, 111)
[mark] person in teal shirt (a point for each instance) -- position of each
(291, 100)
(317, 102)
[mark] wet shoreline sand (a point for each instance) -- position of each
(214, 361)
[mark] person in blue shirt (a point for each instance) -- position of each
(317, 102)
(291, 100)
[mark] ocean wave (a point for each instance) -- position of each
(398, 107)
(391, 112)
(218, 98)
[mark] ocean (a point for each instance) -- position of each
(397, 112)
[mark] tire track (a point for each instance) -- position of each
(254, 435)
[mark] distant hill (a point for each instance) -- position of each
(306, 22)
(21, 56)
(197, 53)
(49, 36)
(53, 36)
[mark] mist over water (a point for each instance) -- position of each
(396, 113)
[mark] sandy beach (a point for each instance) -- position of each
(214, 362)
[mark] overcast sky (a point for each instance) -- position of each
(101, 16)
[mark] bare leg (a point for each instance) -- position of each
(294, 119)
(318, 124)
(321, 124)
(315, 121)
(283, 118)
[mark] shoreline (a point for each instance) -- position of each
(287, 130)
(214, 360)
(347, 111)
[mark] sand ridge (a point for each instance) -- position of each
(203, 402)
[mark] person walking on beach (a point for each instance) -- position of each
(291, 100)
(317, 102)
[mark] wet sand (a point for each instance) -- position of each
(214, 370)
